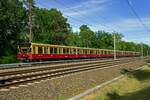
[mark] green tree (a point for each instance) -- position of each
(104, 40)
(74, 39)
(12, 21)
(87, 36)
(50, 26)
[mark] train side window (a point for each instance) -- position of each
(108, 52)
(97, 52)
(111, 52)
(75, 51)
(55, 50)
(51, 50)
(80, 51)
(67, 50)
(33, 48)
(58, 50)
(84, 51)
(103, 52)
(90, 51)
(40, 50)
(45, 50)
(63, 49)
(71, 51)
(94, 51)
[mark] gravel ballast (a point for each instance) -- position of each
(65, 86)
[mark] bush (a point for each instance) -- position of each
(8, 59)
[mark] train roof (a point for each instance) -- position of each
(63, 46)
(41, 44)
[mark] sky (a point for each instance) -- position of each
(108, 15)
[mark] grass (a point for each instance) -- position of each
(134, 86)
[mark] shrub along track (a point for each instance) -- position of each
(14, 77)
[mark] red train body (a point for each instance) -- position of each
(35, 51)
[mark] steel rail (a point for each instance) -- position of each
(31, 64)
(50, 67)
(23, 79)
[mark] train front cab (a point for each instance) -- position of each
(24, 52)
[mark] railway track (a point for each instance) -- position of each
(34, 64)
(18, 76)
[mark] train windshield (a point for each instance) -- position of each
(24, 49)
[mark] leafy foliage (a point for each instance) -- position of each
(12, 21)
(87, 36)
(50, 26)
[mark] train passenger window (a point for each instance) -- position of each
(90, 51)
(84, 51)
(71, 51)
(93, 52)
(55, 50)
(58, 50)
(33, 49)
(75, 51)
(24, 50)
(45, 50)
(67, 50)
(111, 52)
(104, 52)
(80, 51)
(101, 52)
(96, 52)
(40, 50)
(63, 49)
(51, 50)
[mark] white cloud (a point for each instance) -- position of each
(86, 7)
(133, 30)
(126, 25)
(130, 28)
(133, 23)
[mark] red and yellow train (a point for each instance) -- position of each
(37, 52)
